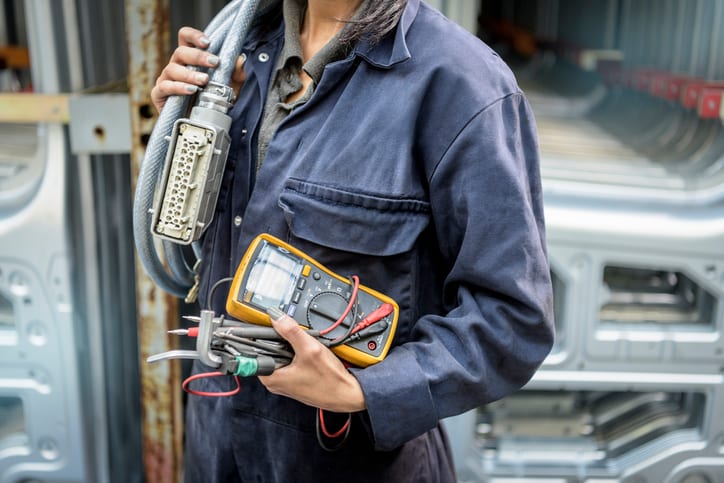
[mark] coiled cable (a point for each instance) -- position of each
(226, 33)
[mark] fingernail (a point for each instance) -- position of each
(275, 313)
(212, 59)
(201, 78)
(191, 88)
(243, 58)
(205, 40)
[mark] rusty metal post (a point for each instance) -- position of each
(147, 31)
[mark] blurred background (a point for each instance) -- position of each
(628, 99)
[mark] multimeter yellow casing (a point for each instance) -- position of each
(273, 273)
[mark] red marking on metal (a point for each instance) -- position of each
(710, 102)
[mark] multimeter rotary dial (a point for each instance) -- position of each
(324, 310)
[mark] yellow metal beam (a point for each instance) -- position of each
(14, 57)
(32, 108)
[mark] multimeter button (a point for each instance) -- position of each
(316, 276)
(291, 310)
(306, 270)
(301, 283)
(296, 297)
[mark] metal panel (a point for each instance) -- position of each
(633, 181)
(148, 43)
(102, 254)
(100, 124)
(38, 364)
(38, 367)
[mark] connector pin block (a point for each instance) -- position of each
(193, 168)
(191, 179)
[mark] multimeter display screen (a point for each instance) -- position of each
(272, 278)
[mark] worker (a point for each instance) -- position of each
(385, 141)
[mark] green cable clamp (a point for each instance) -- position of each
(246, 366)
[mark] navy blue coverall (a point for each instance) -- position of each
(415, 166)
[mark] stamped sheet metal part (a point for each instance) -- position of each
(627, 100)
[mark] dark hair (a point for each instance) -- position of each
(378, 18)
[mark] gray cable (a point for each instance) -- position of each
(227, 35)
(177, 263)
(174, 255)
(231, 50)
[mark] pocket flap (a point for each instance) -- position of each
(351, 221)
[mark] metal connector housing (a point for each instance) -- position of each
(194, 167)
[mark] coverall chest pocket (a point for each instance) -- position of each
(353, 221)
(354, 233)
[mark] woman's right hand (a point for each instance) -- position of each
(178, 79)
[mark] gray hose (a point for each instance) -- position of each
(174, 254)
(177, 263)
(230, 51)
(227, 38)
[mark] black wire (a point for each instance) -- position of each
(343, 338)
(271, 349)
(320, 440)
(214, 287)
(355, 310)
(234, 351)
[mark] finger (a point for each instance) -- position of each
(186, 55)
(293, 333)
(173, 88)
(176, 80)
(191, 37)
(239, 75)
(165, 89)
(179, 73)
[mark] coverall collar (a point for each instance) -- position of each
(390, 50)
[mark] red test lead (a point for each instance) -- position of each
(375, 316)
(191, 332)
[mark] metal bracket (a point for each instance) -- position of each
(173, 354)
(207, 324)
(98, 123)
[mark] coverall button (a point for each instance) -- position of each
(237, 220)
(263, 57)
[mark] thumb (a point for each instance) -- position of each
(289, 329)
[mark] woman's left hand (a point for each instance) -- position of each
(315, 376)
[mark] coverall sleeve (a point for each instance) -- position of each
(487, 212)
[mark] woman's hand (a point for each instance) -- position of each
(177, 78)
(316, 376)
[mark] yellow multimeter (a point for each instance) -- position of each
(273, 273)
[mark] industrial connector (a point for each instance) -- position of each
(249, 365)
(194, 167)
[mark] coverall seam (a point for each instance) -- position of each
(482, 111)
(411, 211)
